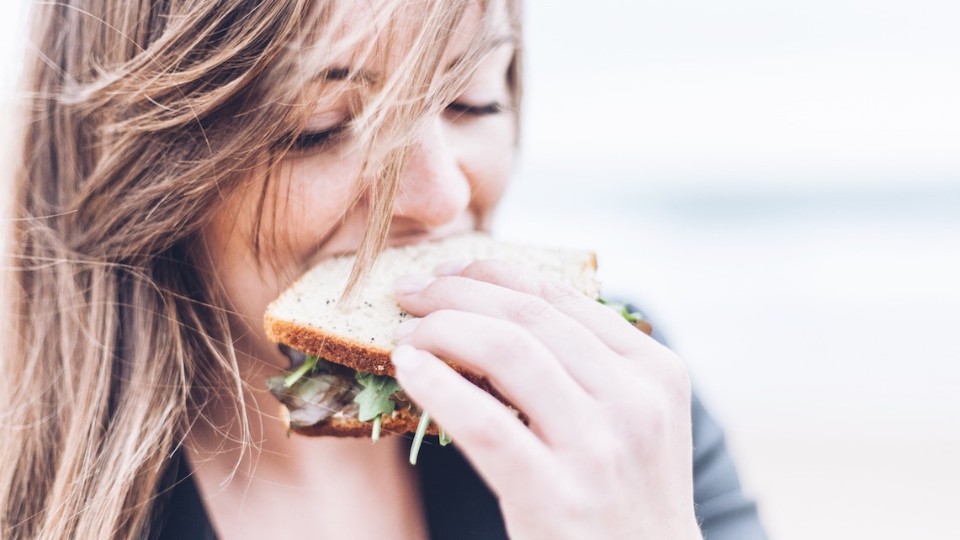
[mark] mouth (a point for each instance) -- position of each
(401, 234)
(419, 237)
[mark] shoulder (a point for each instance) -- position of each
(723, 509)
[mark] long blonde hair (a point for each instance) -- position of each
(139, 116)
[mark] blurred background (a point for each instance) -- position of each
(777, 184)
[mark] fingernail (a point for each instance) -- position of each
(405, 328)
(451, 268)
(412, 283)
(406, 358)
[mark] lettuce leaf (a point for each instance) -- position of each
(630, 316)
(444, 438)
(305, 368)
(376, 399)
(418, 437)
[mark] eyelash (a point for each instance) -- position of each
(315, 139)
(475, 110)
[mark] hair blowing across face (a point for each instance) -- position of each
(140, 115)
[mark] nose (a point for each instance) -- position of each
(434, 190)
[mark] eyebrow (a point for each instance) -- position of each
(494, 44)
(344, 73)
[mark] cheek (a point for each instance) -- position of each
(231, 261)
(312, 201)
(303, 203)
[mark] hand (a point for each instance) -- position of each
(608, 449)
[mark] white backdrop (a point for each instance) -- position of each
(778, 184)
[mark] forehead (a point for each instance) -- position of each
(377, 36)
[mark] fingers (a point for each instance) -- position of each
(490, 435)
(520, 366)
(558, 355)
(620, 336)
(579, 351)
(602, 352)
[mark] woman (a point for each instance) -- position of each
(183, 162)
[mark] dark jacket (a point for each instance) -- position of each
(460, 507)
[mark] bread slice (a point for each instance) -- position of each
(360, 336)
(309, 318)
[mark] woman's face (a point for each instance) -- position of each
(317, 206)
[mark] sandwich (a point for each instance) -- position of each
(341, 382)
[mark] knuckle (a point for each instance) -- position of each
(489, 270)
(573, 501)
(440, 318)
(556, 292)
(513, 351)
(604, 451)
(427, 376)
(497, 354)
(530, 310)
(656, 418)
(645, 416)
(661, 418)
(602, 455)
(484, 268)
(478, 432)
(643, 432)
(436, 322)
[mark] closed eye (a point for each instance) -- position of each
(460, 108)
(312, 140)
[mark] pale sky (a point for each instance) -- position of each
(746, 92)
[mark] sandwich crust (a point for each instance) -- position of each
(345, 351)
(348, 352)
(400, 423)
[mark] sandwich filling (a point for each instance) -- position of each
(317, 390)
